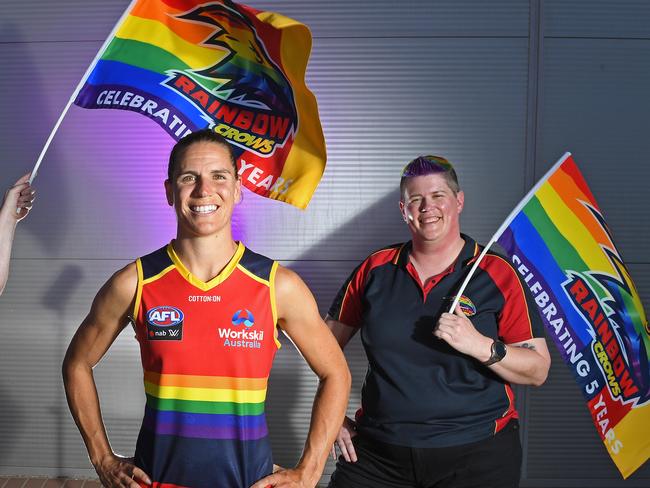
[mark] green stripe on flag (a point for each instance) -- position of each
(142, 55)
(561, 249)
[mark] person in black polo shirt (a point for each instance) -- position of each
(437, 406)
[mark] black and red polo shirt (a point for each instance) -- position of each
(419, 391)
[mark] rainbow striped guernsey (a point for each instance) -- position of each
(207, 350)
(206, 407)
(190, 64)
(563, 249)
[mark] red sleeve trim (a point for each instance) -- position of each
(510, 412)
(351, 312)
(515, 323)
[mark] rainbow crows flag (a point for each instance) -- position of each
(560, 244)
(191, 64)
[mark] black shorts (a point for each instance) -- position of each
(490, 463)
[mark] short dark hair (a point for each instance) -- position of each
(428, 165)
(203, 135)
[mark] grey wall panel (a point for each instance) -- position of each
(75, 20)
(84, 179)
(42, 306)
(596, 104)
(289, 400)
(641, 276)
(35, 85)
(63, 20)
(593, 101)
(597, 18)
(466, 102)
(292, 385)
(409, 18)
(324, 278)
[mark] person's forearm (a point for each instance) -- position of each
(328, 411)
(521, 366)
(7, 230)
(84, 405)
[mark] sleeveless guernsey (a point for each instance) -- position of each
(206, 350)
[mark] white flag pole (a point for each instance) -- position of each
(504, 226)
(78, 89)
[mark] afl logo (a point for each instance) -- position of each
(243, 317)
(165, 323)
(164, 316)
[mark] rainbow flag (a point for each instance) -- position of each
(560, 244)
(191, 64)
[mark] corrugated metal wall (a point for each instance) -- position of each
(501, 88)
(593, 100)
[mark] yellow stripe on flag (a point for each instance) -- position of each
(573, 230)
(633, 436)
(157, 34)
(305, 164)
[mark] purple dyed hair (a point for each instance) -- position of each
(429, 165)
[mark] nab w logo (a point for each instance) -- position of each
(244, 316)
(165, 323)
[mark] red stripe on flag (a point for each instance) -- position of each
(182, 4)
(607, 412)
(570, 168)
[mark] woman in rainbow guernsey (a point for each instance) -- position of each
(206, 312)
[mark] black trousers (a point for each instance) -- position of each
(491, 463)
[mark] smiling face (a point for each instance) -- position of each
(204, 190)
(431, 209)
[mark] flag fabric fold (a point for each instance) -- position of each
(191, 64)
(560, 244)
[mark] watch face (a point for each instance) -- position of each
(500, 349)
